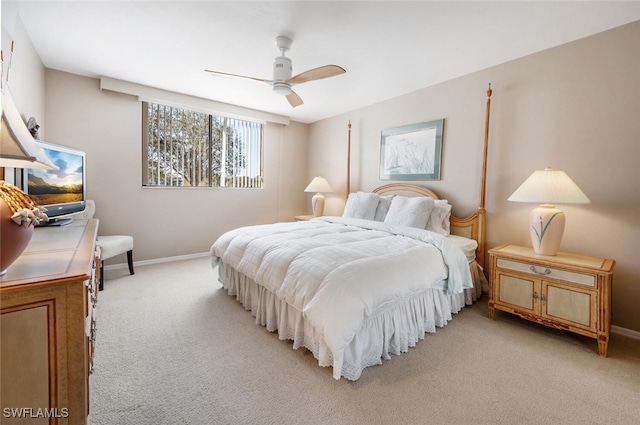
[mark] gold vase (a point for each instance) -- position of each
(14, 238)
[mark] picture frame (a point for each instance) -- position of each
(412, 152)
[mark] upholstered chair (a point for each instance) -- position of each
(110, 246)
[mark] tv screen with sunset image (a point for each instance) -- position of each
(60, 191)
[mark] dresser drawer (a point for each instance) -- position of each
(548, 272)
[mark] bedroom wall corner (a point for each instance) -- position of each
(26, 77)
(292, 170)
(327, 157)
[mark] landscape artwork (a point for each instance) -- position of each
(411, 152)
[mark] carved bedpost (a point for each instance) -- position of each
(483, 187)
(348, 160)
(486, 149)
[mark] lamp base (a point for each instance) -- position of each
(317, 204)
(547, 227)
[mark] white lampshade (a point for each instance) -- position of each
(548, 187)
(318, 184)
(17, 147)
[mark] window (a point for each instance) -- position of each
(184, 148)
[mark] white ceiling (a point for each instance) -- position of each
(388, 48)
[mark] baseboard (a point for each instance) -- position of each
(157, 261)
(625, 332)
(614, 329)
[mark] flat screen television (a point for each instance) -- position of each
(63, 191)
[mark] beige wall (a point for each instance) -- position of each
(26, 74)
(165, 222)
(575, 108)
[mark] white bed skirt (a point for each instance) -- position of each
(391, 330)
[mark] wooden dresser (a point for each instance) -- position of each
(47, 320)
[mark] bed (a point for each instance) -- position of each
(357, 288)
(354, 290)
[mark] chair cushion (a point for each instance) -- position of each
(110, 246)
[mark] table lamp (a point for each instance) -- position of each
(546, 225)
(18, 214)
(318, 184)
(17, 147)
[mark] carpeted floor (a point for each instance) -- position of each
(173, 348)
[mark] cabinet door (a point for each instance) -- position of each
(28, 346)
(516, 291)
(570, 305)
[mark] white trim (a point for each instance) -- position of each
(625, 332)
(614, 329)
(198, 104)
(157, 261)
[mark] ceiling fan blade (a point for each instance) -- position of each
(294, 99)
(225, 74)
(317, 74)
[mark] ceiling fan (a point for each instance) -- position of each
(282, 80)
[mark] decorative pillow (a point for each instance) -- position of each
(409, 211)
(383, 207)
(361, 205)
(439, 218)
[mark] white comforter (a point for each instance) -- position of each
(338, 271)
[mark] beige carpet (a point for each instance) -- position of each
(173, 348)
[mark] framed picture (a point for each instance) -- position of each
(411, 152)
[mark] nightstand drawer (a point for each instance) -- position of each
(548, 272)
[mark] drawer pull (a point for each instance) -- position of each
(545, 272)
(92, 334)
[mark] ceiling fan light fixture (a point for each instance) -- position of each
(282, 88)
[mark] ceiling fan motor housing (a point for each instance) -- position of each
(282, 68)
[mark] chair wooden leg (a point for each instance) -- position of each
(130, 260)
(101, 285)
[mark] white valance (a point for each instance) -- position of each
(192, 103)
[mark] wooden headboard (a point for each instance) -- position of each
(471, 227)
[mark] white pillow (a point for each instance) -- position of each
(439, 219)
(383, 207)
(361, 205)
(409, 211)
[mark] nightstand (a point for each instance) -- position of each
(304, 217)
(564, 291)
